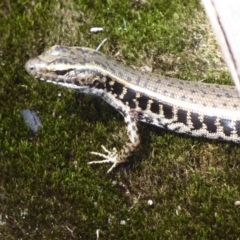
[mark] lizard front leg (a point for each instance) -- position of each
(116, 157)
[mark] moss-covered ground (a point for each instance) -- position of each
(47, 190)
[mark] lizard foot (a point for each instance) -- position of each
(110, 157)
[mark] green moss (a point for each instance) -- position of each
(47, 188)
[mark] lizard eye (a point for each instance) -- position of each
(61, 72)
